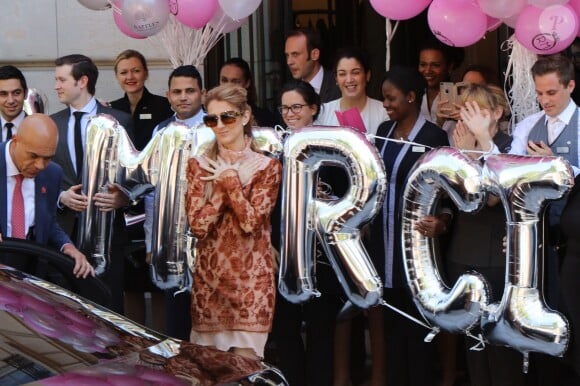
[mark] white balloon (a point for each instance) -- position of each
(224, 23)
(96, 5)
(145, 17)
(238, 9)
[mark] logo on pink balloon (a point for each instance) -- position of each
(548, 30)
(545, 41)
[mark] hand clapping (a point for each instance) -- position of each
(463, 138)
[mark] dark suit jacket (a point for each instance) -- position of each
(155, 107)
(47, 188)
(329, 91)
(66, 216)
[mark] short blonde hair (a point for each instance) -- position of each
(487, 96)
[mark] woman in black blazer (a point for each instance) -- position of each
(409, 360)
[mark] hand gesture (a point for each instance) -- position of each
(477, 120)
(217, 168)
(247, 168)
(114, 198)
(539, 148)
(463, 138)
(74, 198)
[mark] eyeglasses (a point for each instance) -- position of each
(295, 108)
(227, 118)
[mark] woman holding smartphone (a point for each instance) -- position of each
(436, 63)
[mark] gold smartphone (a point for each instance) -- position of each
(447, 91)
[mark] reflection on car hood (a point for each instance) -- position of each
(51, 336)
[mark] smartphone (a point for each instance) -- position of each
(447, 91)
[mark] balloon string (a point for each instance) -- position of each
(480, 345)
(434, 330)
(285, 131)
(402, 141)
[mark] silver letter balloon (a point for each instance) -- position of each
(521, 318)
(160, 167)
(336, 223)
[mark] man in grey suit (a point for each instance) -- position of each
(76, 77)
(303, 59)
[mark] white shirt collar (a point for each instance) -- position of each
(16, 121)
(193, 121)
(566, 115)
(316, 82)
(90, 108)
(11, 169)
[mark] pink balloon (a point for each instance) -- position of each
(121, 23)
(502, 9)
(399, 10)
(493, 23)
(195, 13)
(546, 3)
(457, 23)
(546, 31)
(221, 21)
(575, 4)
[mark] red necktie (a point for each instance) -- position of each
(18, 226)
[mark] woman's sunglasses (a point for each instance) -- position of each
(227, 118)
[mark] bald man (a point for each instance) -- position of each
(29, 154)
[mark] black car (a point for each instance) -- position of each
(53, 336)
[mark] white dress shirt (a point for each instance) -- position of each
(316, 81)
(16, 122)
(430, 116)
(27, 194)
(523, 129)
(90, 110)
(190, 122)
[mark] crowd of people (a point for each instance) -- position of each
(233, 207)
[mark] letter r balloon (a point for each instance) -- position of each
(337, 222)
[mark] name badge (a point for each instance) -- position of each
(418, 149)
(562, 150)
(145, 116)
